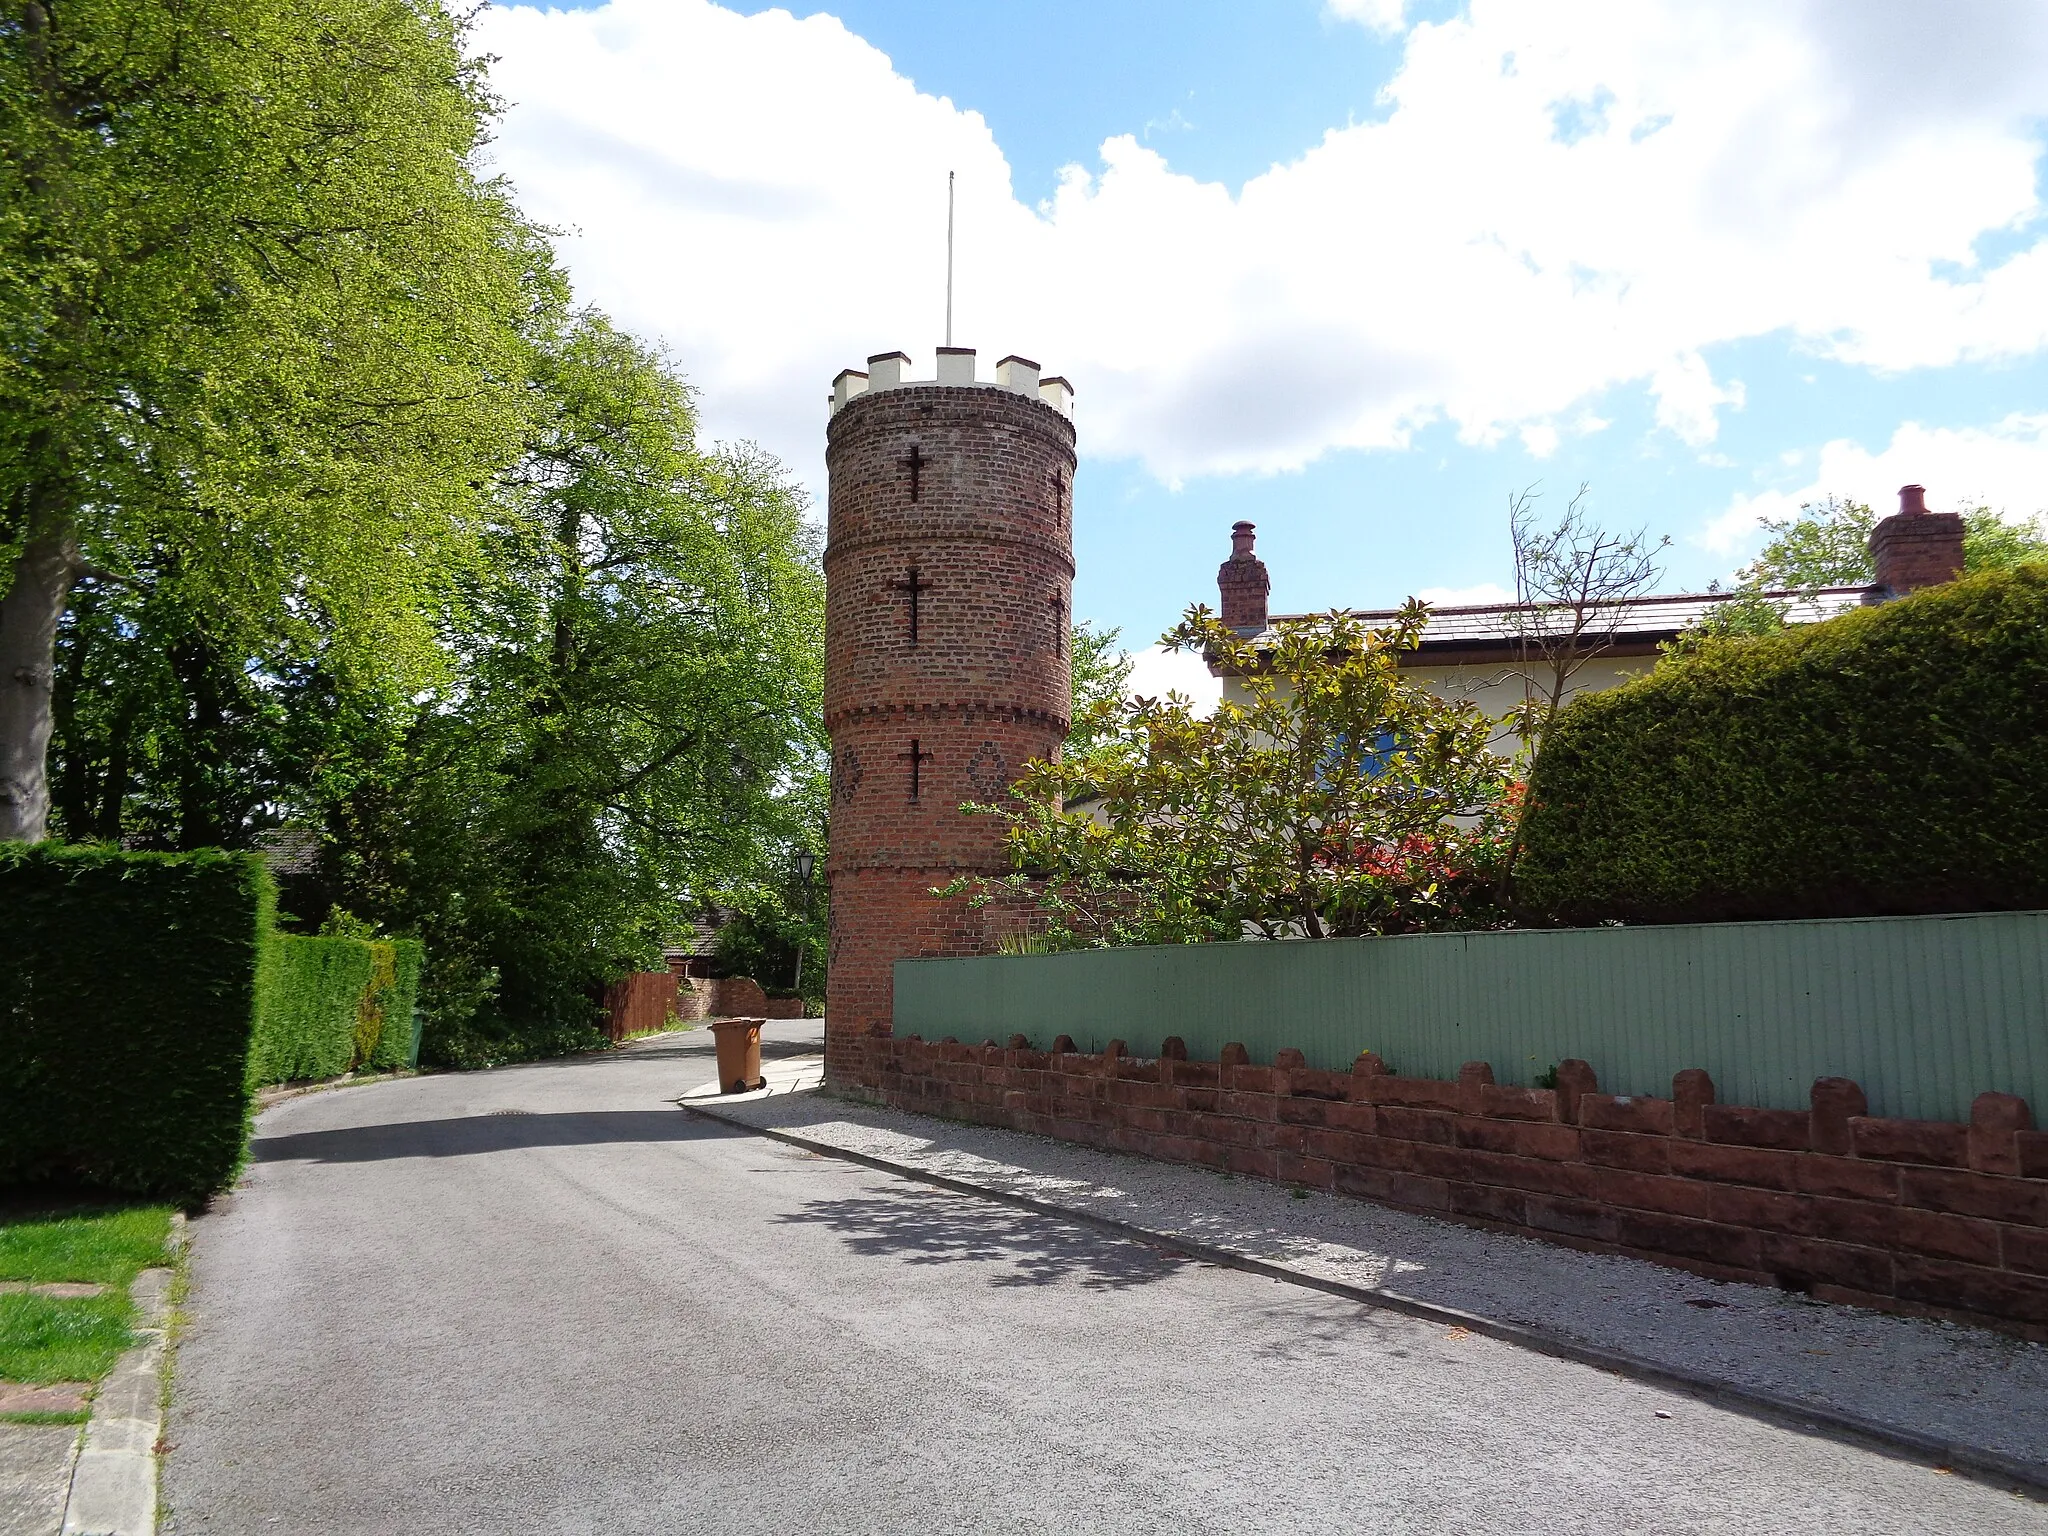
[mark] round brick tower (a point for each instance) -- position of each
(948, 570)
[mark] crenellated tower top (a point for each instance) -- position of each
(889, 370)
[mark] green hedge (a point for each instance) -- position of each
(128, 994)
(398, 1043)
(329, 1005)
(1893, 760)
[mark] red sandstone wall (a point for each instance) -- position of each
(983, 687)
(733, 997)
(1907, 1215)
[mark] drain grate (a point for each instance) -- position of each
(508, 1111)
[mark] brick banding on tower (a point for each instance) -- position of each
(948, 543)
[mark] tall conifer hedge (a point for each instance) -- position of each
(329, 1005)
(128, 996)
(1893, 760)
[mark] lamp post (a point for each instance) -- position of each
(806, 862)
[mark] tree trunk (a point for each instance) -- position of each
(202, 757)
(28, 644)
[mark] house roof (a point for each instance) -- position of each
(1494, 631)
(291, 850)
(699, 942)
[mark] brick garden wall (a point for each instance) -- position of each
(733, 997)
(650, 1000)
(1905, 1215)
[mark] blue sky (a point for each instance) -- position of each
(1354, 270)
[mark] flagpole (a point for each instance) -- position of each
(949, 258)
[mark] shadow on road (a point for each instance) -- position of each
(933, 1228)
(703, 1050)
(474, 1134)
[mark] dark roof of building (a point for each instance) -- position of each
(699, 941)
(1485, 631)
(293, 850)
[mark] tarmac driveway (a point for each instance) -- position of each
(542, 1299)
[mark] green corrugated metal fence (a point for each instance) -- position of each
(1924, 1012)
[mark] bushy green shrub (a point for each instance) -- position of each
(127, 1004)
(1893, 760)
(329, 1005)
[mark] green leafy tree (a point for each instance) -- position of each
(634, 724)
(1992, 542)
(1828, 545)
(1101, 669)
(780, 941)
(263, 335)
(1338, 798)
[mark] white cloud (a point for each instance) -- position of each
(2003, 466)
(1383, 16)
(1563, 196)
(1735, 530)
(1466, 597)
(1156, 672)
(1689, 401)
(1540, 438)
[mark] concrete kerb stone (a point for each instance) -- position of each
(114, 1481)
(1786, 1412)
(278, 1093)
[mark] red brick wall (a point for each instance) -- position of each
(984, 687)
(1907, 1215)
(733, 997)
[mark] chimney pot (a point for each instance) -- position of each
(1915, 548)
(1242, 583)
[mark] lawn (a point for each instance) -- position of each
(109, 1247)
(45, 1339)
(49, 1338)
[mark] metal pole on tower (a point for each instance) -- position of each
(949, 258)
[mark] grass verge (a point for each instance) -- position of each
(46, 1338)
(78, 1417)
(105, 1246)
(43, 1339)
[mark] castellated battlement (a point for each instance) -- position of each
(889, 370)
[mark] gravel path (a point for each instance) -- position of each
(1967, 1386)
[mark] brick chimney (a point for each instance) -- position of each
(1242, 582)
(1915, 548)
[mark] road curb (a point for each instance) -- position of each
(114, 1480)
(1788, 1412)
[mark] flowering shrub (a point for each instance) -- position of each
(1334, 798)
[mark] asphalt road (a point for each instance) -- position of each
(542, 1299)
